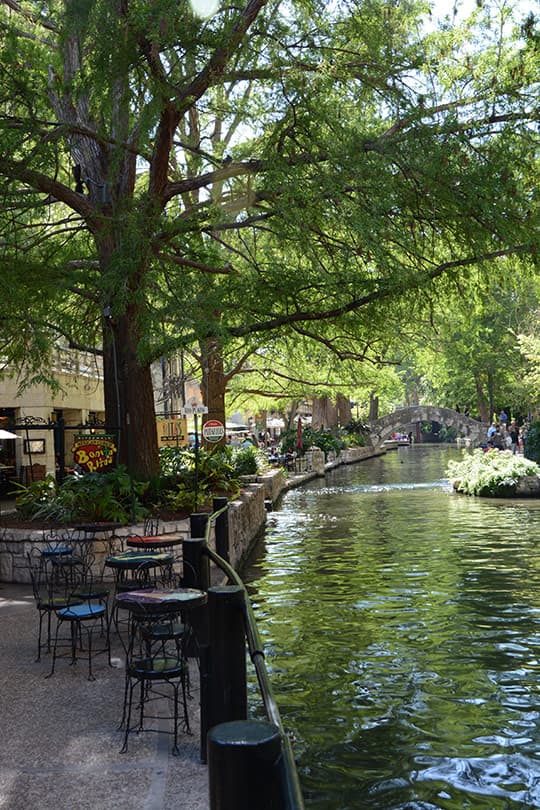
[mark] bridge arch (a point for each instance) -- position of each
(403, 420)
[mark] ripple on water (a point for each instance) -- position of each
(402, 629)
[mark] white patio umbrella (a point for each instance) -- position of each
(5, 434)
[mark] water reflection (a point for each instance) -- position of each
(402, 630)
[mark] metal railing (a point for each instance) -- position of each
(289, 784)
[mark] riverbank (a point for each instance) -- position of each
(64, 745)
(247, 517)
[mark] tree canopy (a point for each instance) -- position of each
(278, 172)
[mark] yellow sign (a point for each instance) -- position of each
(172, 432)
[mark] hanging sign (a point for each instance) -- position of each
(94, 452)
(171, 432)
(193, 407)
(213, 431)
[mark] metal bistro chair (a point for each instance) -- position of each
(147, 574)
(58, 552)
(157, 664)
(151, 529)
(49, 595)
(85, 612)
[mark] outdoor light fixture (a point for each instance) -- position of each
(77, 174)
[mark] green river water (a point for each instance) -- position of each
(401, 624)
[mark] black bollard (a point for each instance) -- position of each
(196, 563)
(243, 760)
(198, 522)
(227, 672)
(222, 528)
(196, 574)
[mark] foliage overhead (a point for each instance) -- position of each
(290, 168)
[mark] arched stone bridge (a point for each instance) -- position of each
(404, 419)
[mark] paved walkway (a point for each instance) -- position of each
(60, 744)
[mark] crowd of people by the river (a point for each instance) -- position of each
(505, 434)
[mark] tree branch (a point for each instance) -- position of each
(40, 182)
(205, 268)
(36, 19)
(218, 61)
(382, 293)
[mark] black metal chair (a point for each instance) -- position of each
(158, 665)
(85, 612)
(151, 528)
(56, 546)
(49, 593)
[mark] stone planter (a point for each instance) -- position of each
(528, 487)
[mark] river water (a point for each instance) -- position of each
(401, 623)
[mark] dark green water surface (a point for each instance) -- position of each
(401, 624)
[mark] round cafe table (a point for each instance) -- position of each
(161, 600)
(133, 560)
(105, 530)
(154, 541)
(127, 563)
(147, 603)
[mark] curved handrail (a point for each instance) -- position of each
(290, 781)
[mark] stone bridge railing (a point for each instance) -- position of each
(404, 419)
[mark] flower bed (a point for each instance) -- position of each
(491, 473)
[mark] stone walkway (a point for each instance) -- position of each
(60, 743)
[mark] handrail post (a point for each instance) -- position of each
(196, 574)
(225, 682)
(228, 654)
(243, 758)
(222, 527)
(196, 563)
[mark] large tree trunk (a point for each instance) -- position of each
(324, 413)
(343, 405)
(214, 382)
(129, 399)
(481, 401)
(128, 387)
(373, 406)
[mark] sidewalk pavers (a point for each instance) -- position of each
(59, 736)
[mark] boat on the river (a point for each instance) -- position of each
(394, 443)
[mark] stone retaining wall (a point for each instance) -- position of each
(528, 487)
(247, 517)
(16, 544)
(353, 454)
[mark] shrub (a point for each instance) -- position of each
(111, 496)
(491, 473)
(355, 433)
(311, 438)
(531, 444)
(447, 434)
(244, 460)
(184, 498)
(212, 471)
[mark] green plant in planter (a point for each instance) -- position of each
(28, 499)
(182, 497)
(311, 438)
(214, 468)
(111, 496)
(491, 473)
(355, 433)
